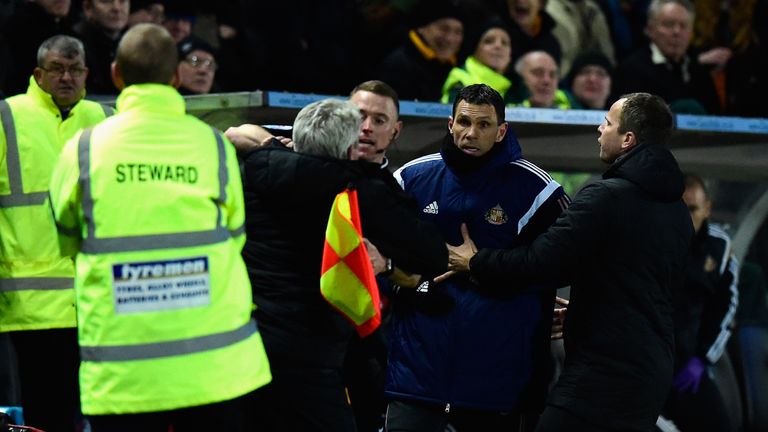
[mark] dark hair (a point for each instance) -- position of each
(648, 116)
(194, 43)
(481, 94)
(425, 12)
(589, 58)
(380, 88)
(147, 54)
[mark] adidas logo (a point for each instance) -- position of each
(424, 287)
(431, 208)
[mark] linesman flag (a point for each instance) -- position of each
(347, 281)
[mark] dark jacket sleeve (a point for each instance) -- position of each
(544, 217)
(554, 255)
(393, 225)
(718, 316)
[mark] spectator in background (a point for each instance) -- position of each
(539, 73)
(32, 22)
(530, 26)
(418, 69)
(726, 35)
(590, 81)
(146, 11)
(487, 65)
(580, 27)
(590, 86)
(665, 67)
(311, 52)
(179, 18)
(100, 31)
(197, 66)
(618, 14)
(704, 314)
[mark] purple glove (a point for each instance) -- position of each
(689, 377)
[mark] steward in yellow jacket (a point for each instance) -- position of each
(37, 300)
(151, 203)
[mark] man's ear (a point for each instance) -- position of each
(398, 128)
(501, 132)
(38, 74)
(450, 124)
(630, 141)
(117, 76)
(176, 80)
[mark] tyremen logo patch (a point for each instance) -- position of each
(161, 285)
(496, 215)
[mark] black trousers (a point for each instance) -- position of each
(412, 416)
(301, 399)
(48, 376)
(556, 419)
(222, 416)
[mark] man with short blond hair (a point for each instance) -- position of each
(150, 203)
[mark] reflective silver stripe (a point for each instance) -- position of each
(223, 177)
(237, 231)
(84, 164)
(17, 198)
(12, 151)
(20, 284)
(21, 200)
(93, 245)
(108, 110)
(167, 349)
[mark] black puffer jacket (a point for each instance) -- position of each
(622, 245)
(288, 197)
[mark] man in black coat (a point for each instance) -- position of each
(31, 23)
(100, 30)
(666, 67)
(419, 67)
(622, 245)
(288, 197)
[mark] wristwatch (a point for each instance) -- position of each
(389, 269)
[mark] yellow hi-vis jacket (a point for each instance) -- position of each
(36, 281)
(152, 203)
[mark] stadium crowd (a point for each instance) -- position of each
(701, 57)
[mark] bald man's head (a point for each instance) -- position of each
(146, 54)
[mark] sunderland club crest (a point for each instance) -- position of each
(496, 215)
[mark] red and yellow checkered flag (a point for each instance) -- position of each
(347, 281)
